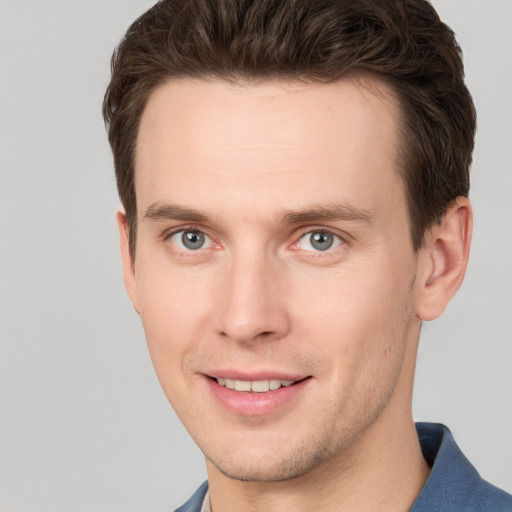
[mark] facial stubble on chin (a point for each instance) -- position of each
(322, 446)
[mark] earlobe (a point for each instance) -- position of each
(126, 257)
(444, 259)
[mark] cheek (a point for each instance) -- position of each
(170, 297)
(345, 299)
(358, 317)
(173, 306)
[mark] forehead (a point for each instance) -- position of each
(267, 140)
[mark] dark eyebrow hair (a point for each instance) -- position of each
(174, 212)
(333, 212)
(337, 211)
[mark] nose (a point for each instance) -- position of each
(252, 301)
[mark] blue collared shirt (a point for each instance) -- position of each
(454, 485)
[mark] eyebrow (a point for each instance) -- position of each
(333, 212)
(174, 212)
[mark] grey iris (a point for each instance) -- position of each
(321, 240)
(192, 239)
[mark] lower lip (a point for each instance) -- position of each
(255, 404)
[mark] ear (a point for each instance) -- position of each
(126, 257)
(444, 260)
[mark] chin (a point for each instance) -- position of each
(276, 468)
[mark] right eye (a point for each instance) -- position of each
(190, 240)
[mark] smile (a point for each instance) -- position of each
(255, 386)
(255, 395)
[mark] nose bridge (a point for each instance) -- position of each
(252, 301)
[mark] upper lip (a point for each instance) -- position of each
(255, 376)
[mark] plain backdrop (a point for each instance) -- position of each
(84, 425)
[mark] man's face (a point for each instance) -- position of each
(273, 246)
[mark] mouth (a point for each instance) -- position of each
(258, 394)
(255, 386)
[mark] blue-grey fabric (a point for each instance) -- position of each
(454, 485)
(195, 503)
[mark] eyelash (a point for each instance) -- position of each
(341, 240)
(338, 240)
(187, 229)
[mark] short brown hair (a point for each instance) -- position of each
(404, 41)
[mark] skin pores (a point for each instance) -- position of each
(241, 189)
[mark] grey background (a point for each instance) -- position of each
(84, 425)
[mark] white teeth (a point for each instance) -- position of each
(260, 386)
(242, 385)
(257, 386)
(229, 383)
(275, 384)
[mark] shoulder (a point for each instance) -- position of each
(195, 503)
(454, 484)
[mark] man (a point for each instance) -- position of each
(294, 176)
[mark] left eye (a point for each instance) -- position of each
(319, 241)
(190, 240)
